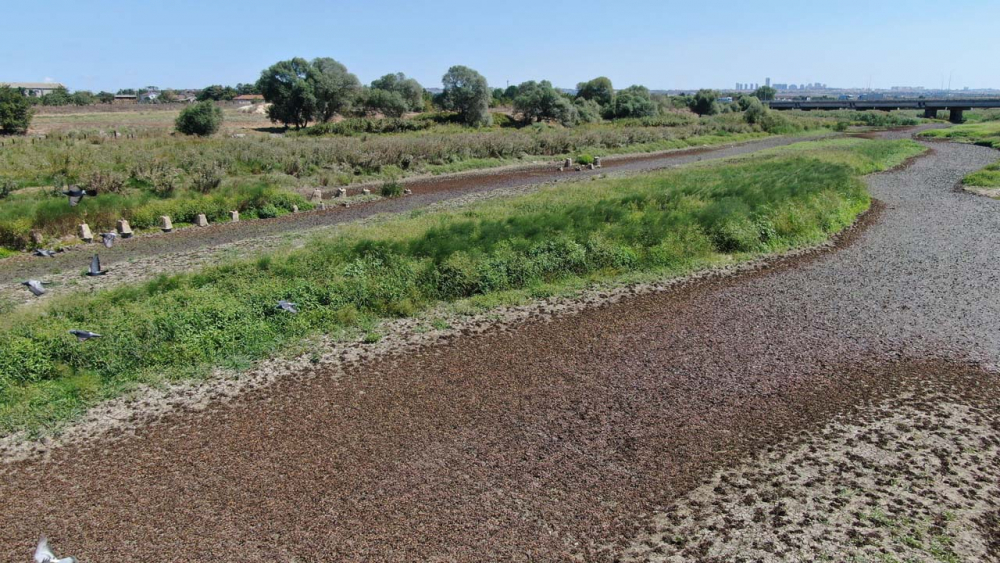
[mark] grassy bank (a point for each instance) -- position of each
(985, 133)
(663, 224)
(988, 177)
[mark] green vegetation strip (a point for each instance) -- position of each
(984, 133)
(141, 178)
(663, 224)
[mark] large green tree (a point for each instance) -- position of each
(334, 88)
(386, 102)
(217, 92)
(705, 102)
(286, 85)
(408, 89)
(539, 100)
(15, 111)
(765, 93)
(467, 92)
(634, 101)
(599, 89)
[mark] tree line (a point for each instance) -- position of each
(301, 92)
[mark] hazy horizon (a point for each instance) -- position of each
(109, 45)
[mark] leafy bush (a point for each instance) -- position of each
(705, 102)
(15, 112)
(106, 182)
(634, 101)
(585, 159)
(754, 111)
(391, 189)
(7, 187)
(202, 119)
(206, 178)
(390, 104)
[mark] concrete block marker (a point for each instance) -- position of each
(85, 234)
(165, 224)
(366, 191)
(341, 192)
(407, 192)
(590, 166)
(597, 162)
(295, 209)
(201, 221)
(317, 196)
(36, 237)
(568, 163)
(234, 216)
(124, 229)
(322, 206)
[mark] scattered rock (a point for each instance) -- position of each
(85, 234)
(124, 229)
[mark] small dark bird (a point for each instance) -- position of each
(288, 306)
(109, 239)
(75, 195)
(34, 286)
(95, 267)
(84, 335)
(44, 555)
(44, 252)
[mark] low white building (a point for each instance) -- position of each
(34, 89)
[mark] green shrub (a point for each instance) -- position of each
(585, 159)
(7, 187)
(15, 112)
(391, 189)
(202, 119)
(206, 178)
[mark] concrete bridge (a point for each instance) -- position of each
(955, 106)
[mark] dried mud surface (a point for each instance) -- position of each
(569, 436)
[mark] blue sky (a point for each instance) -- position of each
(105, 44)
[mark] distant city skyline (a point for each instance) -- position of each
(112, 44)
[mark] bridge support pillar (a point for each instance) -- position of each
(930, 113)
(956, 115)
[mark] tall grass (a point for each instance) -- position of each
(181, 326)
(985, 133)
(157, 174)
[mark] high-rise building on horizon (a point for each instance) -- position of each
(767, 81)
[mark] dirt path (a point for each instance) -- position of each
(133, 259)
(555, 439)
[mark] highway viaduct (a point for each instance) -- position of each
(955, 106)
